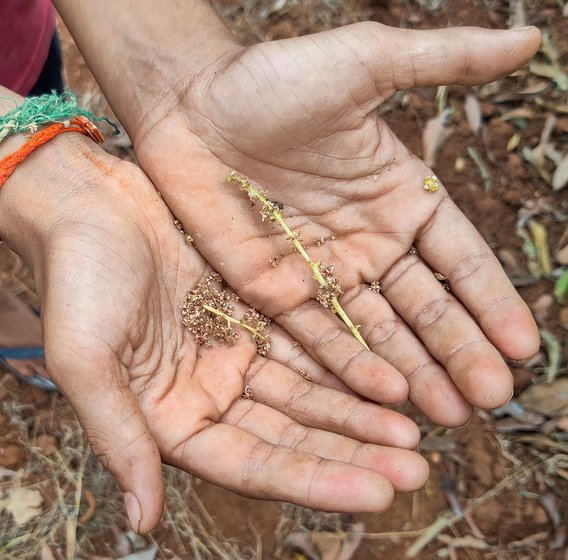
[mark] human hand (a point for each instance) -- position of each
(112, 272)
(299, 118)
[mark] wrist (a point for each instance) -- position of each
(42, 191)
(146, 55)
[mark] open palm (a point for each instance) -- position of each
(298, 117)
(112, 286)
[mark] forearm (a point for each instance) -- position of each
(137, 49)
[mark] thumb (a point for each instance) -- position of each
(366, 62)
(456, 55)
(369, 59)
(117, 431)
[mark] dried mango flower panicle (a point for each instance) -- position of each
(204, 325)
(207, 313)
(329, 289)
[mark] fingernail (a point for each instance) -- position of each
(133, 509)
(523, 29)
(466, 423)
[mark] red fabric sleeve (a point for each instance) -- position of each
(26, 29)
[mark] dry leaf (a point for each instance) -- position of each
(563, 317)
(324, 545)
(552, 71)
(23, 503)
(550, 399)
(473, 113)
(562, 424)
(540, 239)
(7, 473)
(445, 443)
(514, 142)
(520, 113)
(147, 554)
(121, 543)
(542, 306)
(562, 255)
(518, 412)
(434, 135)
(12, 456)
(459, 164)
(536, 158)
(518, 17)
(47, 444)
(522, 94)
(560, 177)
(46, 553)
(468, 541)
(431, 5)
(553, 353)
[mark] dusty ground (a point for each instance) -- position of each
(514, 462)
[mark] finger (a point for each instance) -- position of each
(244, 463)
(407, 471)
(329, 341)
(478, 280)
(290, 353)
(316, 406)
(449, 332)
(431, 389)
(116, 429)
(455, 55)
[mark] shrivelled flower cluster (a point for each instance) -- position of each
(258, 323)
(207, 313)
(375, 287)
(331, 289)
(179, 226)
(201, 322)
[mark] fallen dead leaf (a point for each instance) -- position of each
(445, 443)
(431, 5)
(91, 507)
(562, 424)
(8, 473)
(542, 306)
(434, 136)
(563, 317)
(562, 255)
(147, 554)
(560, 176)
(553, 352)
(520, 113)
(550, 399)
(121, 543)
(325, 545)
(12, 456)
(46, 553)
(473, 113)
(540, 239)
(47, 444)
(468, 541)
(518, 17)
(23, 503)
(514, 142)
(516, 411)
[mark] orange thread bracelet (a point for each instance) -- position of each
(76, 124)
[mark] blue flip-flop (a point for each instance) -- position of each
(27, 353)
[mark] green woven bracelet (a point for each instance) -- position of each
(43, 109)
